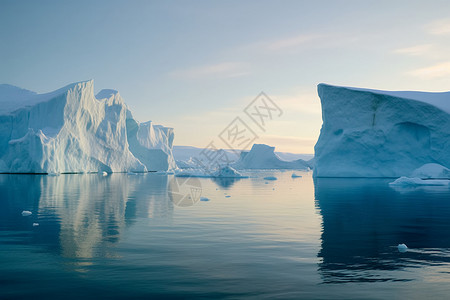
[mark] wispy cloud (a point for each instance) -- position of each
(435, 71)
(220, 70)
(418, 50)
(439, 27)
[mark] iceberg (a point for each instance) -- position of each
(412, 181)
(431, 171)
(262, 156)
(72, 131)
(371, 133)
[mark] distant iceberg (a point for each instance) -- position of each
(262, 156)
(412, 181)
(72, 131)
(370, 133)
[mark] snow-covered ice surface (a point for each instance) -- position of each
(262, 156)
(368, 133)
(72, 131)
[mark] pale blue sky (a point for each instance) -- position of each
(195, 65)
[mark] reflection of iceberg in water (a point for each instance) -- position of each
(364, 220)
(93, 210)
(225, 182)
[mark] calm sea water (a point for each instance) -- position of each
(124, 236)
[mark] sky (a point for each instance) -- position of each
(196, 65)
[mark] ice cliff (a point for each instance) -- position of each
(263, 157)
(72, 131)
(370, 133)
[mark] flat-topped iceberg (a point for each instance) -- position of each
(72, 131)
(369, 133)
(262, 156)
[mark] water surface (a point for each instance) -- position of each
(123, 236)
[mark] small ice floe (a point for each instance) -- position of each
(104, 173)
(295, 175)
(402, 248)
(414, 181)
(26, 213)
(35, 224)
(270, 178)
(204, 199)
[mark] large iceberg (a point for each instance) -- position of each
(370, 133)
(72, 131)
(262, 156)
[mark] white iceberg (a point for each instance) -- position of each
(72, 131)
(413, 181)
(223, 172)
(262, 156)
(431, 171)
(369, 133)
(402, 248)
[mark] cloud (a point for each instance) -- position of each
(418, 50)
(220, 70)
(439, 27)
(436, 71)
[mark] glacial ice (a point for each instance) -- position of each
(369, 133)
(431, 171)
(262, 156)
(402, 248)
(413, 181)
(72, 131)
(223, 172)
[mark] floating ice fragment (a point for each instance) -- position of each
(204, 199)
(35, 224)
(26, 213)
(270, 178)
(407, 181)
(104, 173)
(402, 248)
(227, 196)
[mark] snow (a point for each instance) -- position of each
(262, 156)
(72, 131)
(367, 133)
(440, 99)
(412, 181)
(431, 171)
